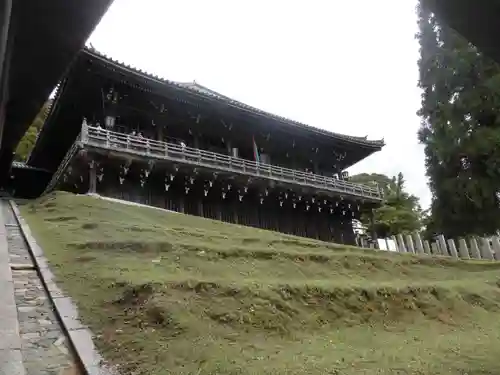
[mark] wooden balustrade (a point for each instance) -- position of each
(101, 138)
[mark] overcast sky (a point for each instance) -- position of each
(344, 66)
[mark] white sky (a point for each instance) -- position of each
(344, 66)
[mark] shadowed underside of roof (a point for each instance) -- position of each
(476, 20)
(206, 93)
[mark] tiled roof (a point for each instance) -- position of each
(195, 88)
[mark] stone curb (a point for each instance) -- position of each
(79, 336)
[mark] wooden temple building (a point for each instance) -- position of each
(119, 132)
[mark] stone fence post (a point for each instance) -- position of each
(401, 244)
(485, 249)
(419, 246)
(442, 245)
(462, 249)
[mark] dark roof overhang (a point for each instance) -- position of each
(47, 35)
(476, 20)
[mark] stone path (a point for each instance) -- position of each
(31, 339)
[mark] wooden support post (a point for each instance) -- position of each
(235, 212)
(92, 177)
(5, 57)
(159, 133)
(5, 18)
(374, 233)
(218, 214)
(181, 205)
(200, 208)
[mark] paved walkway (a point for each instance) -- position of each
(31, 340)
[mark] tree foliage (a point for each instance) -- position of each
(28, 141)
(400, 212)
(460, 130)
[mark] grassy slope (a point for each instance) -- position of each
(174, 294)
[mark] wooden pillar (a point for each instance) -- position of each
(5, 18)
(372, 222)
(159, 133)
(196, 141)
(92, 177)
(218, 214)
(200, 207)
(5, 56)
(181, 204)
(315, 167)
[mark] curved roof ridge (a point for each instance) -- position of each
(195, 88)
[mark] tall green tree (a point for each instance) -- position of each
(28, 141)
(400, 212)
(460, 130)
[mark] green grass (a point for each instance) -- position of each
(167, 293)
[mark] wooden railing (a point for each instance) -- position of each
(62, 168)
(101, 138)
